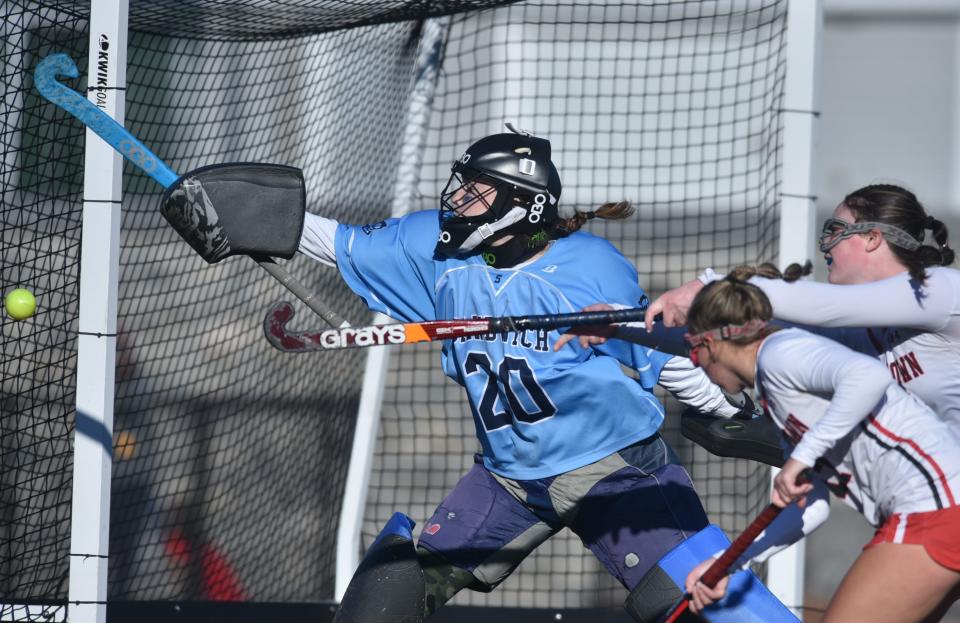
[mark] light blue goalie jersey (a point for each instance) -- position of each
(538, 413)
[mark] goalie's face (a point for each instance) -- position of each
(473, 199)
(470, 207)
(502, 189)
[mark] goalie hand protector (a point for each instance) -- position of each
(238, 209)
(753, 438)
(512, 177)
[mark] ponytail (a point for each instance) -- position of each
(767, 270)
(942, 254)
(615, 210)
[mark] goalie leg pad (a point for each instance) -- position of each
(747, 599)
(388, 586)
(238, 209)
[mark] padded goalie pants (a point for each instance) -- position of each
(629, 509)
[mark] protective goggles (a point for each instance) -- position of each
(747, 330)
(834, 230)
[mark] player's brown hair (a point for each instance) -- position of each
(730, 301)
(897, 206)
(770, 271)
(614, 210)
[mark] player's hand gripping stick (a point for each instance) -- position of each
(721, 566)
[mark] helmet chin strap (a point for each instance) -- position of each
(488, 231)
(514, 251)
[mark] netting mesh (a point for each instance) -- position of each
(236, 441)
(230, 457)
(41, 177)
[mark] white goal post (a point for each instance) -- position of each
(97, 339)
(785, 570)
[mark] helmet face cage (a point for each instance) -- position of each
(468, 189)
(835, 230)
(465, 192)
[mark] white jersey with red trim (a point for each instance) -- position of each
(878, 447)
(914, 329)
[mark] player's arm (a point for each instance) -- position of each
(317, 240)
(690, 385)
(388, 264)
(792, 524)
(893, 302)
(817, 365)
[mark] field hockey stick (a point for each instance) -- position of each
(118, 137)
(721, 566)
(427, 331)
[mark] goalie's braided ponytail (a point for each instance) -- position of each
(614, 210)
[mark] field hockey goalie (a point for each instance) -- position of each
(238, 209)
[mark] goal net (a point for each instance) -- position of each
(230, 458)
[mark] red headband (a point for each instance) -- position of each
(748, 329)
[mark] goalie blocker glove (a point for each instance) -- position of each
(238, 209)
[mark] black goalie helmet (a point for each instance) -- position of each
(503, 184)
